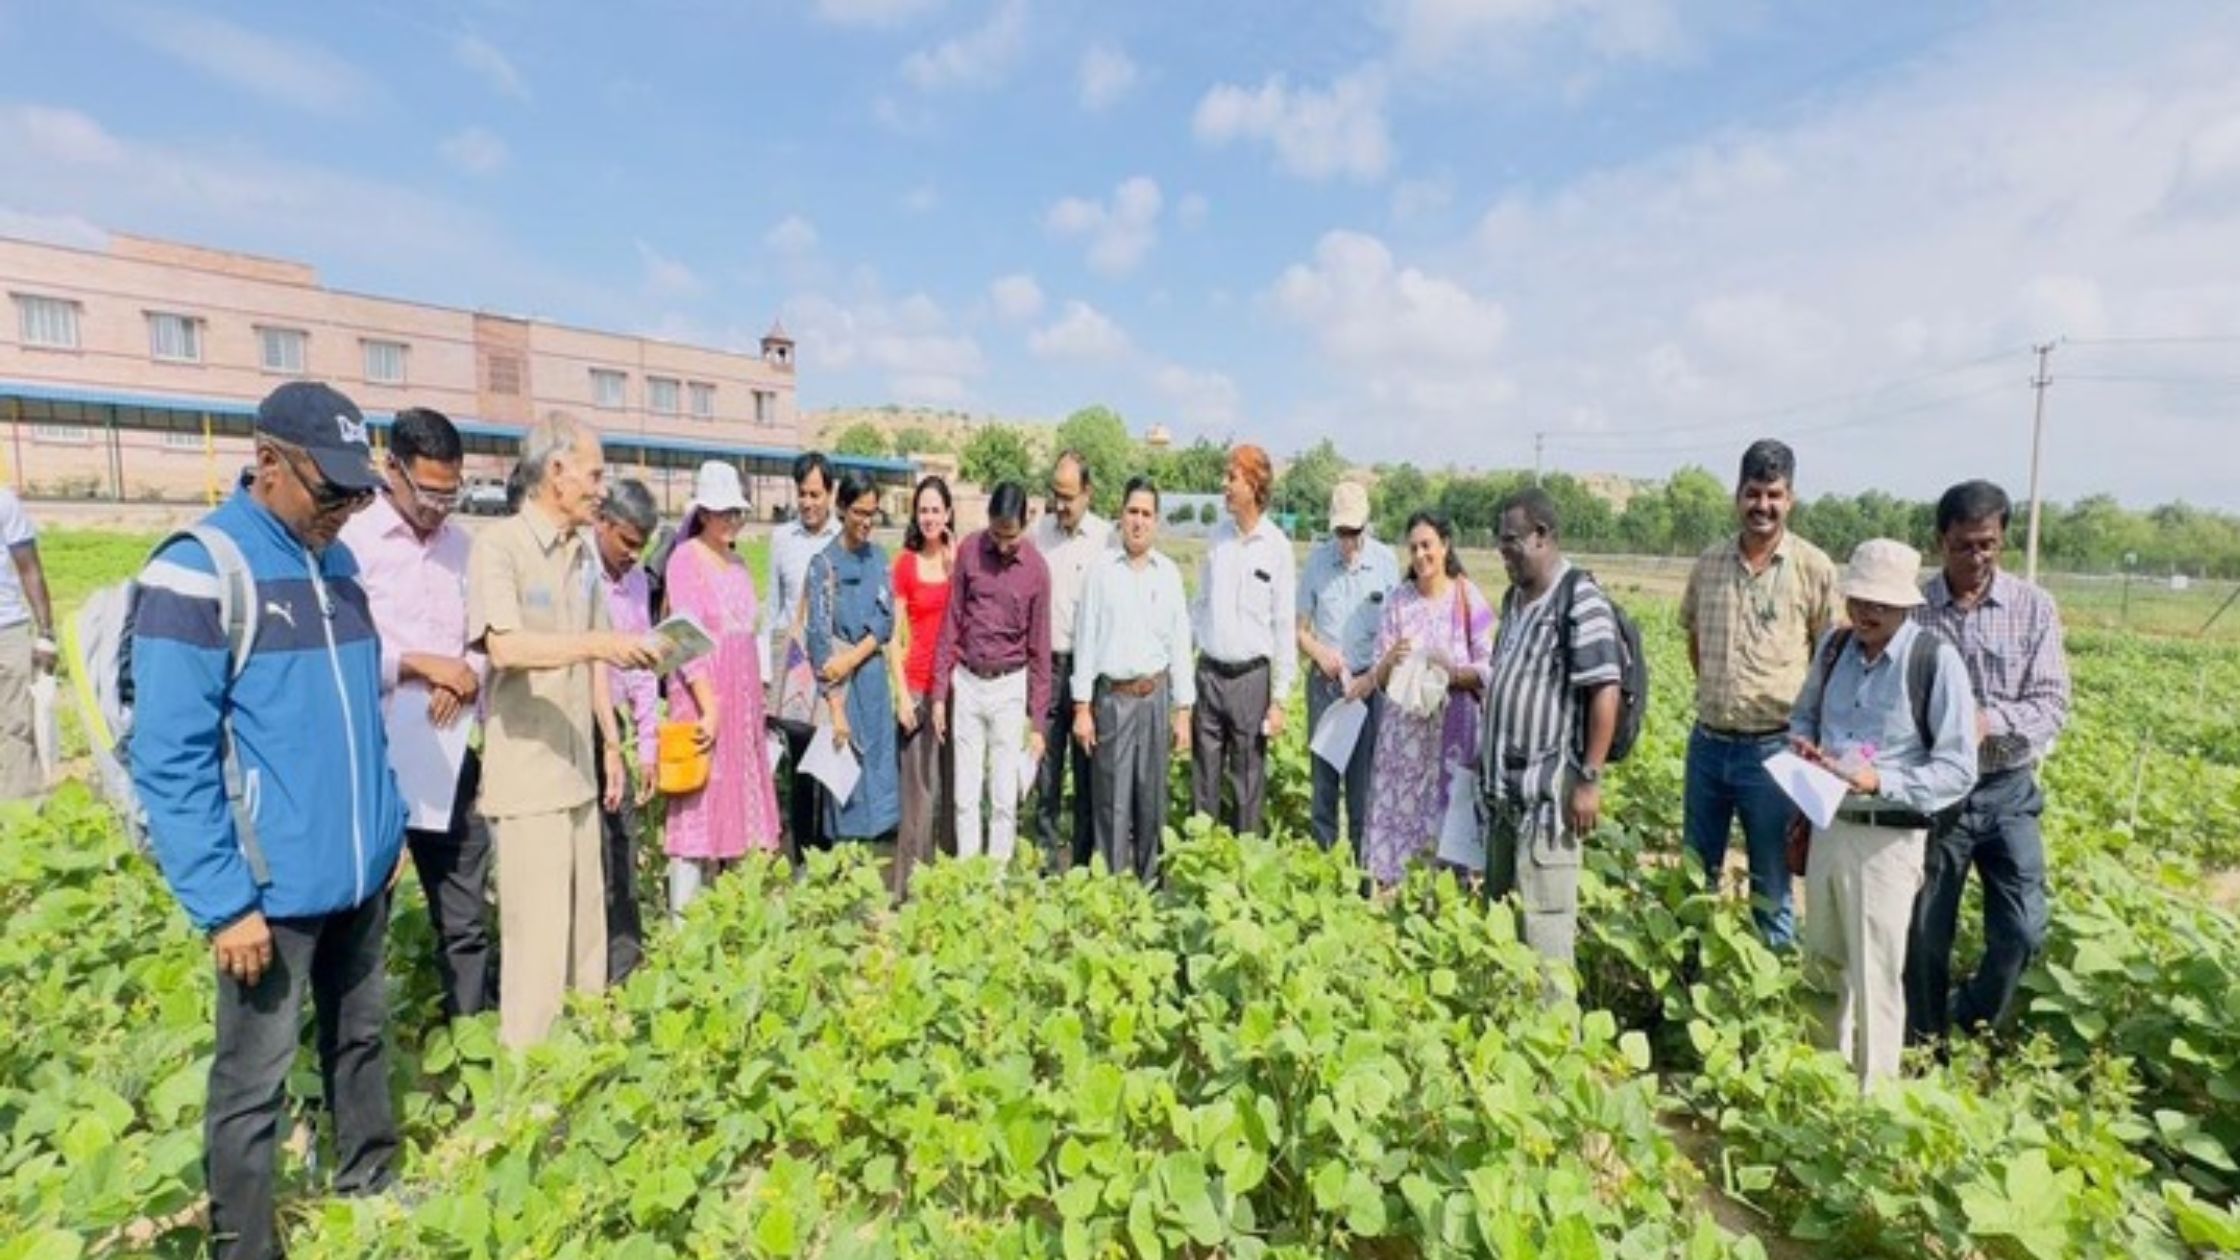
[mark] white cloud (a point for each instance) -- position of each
(978, 58)
(666, 278)
(1205, 399)
(474, 151)
(922, 199)
(791, 237)
(908, 348)
(1317, 134)
(1191, 211)
(487, 61)
(52, 229)
(1864, 277)
(872, 12)
(1106, 76)
(1016, 296)
(285, 71)
(1470, 33)
(1420, 347)
(61, 135)
(1415, 200)
(1120, 232)
(1082, 333)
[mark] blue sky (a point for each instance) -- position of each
(1431, 229)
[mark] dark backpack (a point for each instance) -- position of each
(1633, 666)
(1921, 677)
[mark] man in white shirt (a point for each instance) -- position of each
(792, 546)
(1072, 539)
(1131, 663)
(26, 649)
(1247, 594)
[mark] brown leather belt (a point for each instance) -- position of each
(1140, 688)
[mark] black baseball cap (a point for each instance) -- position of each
(327, 425)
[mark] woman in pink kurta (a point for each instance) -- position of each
(737, 811)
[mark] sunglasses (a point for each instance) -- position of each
(326, 496)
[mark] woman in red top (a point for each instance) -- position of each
(921, 588)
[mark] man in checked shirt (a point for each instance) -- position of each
(2010, 636)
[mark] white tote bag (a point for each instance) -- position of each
(1462, 836)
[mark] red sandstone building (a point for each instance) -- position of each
(132, 372)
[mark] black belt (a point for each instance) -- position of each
(1232, 670)
(1892, 819)
(989, 673)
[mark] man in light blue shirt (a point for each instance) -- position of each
(1887, 708)
(1131, 659)
(1341, 600)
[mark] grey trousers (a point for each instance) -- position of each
(1134, 743)
(1227, 746)
(1530, 852)
(1351, 788)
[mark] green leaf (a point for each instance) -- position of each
(775, 1232)
(1634, 1045)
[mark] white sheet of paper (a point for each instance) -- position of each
(425, 756)
(834, 765)
(1814, 790)
(1338, 732)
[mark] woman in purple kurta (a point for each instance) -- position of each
(1444, 615)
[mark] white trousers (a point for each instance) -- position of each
(1859, 890)
(988, 722)
(688, 878)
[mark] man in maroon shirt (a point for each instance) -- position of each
(992, 669)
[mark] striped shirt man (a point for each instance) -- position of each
(2011, 641)
(1533, 727)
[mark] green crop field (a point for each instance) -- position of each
(1252, 1061)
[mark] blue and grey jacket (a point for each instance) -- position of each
(305, 716)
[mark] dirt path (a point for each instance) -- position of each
(1701, 1146)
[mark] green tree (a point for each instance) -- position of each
(1399, 491)
(919, 440)
(1588, 523)
(861, 439)
(1700, 507)
(1646, 527)
(997, 452)
(1101, 436)
(1304, 488)
(1195, 469)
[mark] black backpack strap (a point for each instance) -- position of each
(1921, 683)
(1838, 639)
(1567, 595)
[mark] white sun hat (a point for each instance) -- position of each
(717, 489)
(1884, 571)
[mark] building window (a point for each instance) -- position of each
(765, 408)
(703, 400)
(48, 322)
(174, 338)
(182, 440)
(282, 349)
(384, 362)
(505, 374)
(661, 395)
(76, 434)
(608, 389)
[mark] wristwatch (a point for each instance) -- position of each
(1590, 774)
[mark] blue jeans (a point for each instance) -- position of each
(1331, 788)
(1996, 832)
(1727, 776)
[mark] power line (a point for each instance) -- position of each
(2211, 339)
(1849, 422)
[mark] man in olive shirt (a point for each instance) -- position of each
(1756, 606)
(537, 608)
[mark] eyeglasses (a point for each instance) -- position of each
(326, 496)
(440, 500)
(863, 514)
(1348, 534)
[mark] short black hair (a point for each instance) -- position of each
(1442, 525)
(1538, 507)
(1142, 483)
(811, 462)
(630, 502)
(1766, 461)
(1973, 501)
(1008, 502)
(425, 433)
(854, 484)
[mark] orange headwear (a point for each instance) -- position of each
(1258, 472)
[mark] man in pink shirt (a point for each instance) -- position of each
(412, 562)
(628, 518)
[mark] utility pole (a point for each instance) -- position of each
(1539, 447)
(2037, 449)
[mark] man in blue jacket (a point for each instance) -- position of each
(288, 873)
